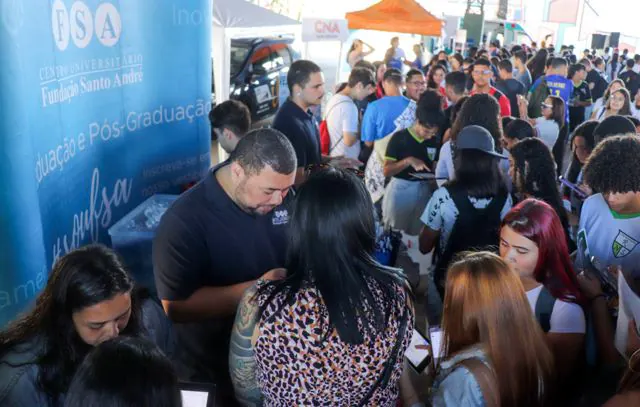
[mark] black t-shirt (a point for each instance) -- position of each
(581, 93)
(599, 84)
(631, 81)
(205, 239)
(405, 144)
(301, 128)
(511, 89)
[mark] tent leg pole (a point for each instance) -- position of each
(339, 68)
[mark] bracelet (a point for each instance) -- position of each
(598, 296)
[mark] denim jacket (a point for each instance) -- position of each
(455, 385)
(19, 369)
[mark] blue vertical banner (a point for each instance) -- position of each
(103, 103)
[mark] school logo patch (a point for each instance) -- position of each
(280, 217)
(431, 152)
(623, 244)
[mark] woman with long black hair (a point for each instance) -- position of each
(89, 299)
(582, 144)
(334, 331)
(533, 174)
(537, 64)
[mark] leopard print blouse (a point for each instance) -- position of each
(295, 368)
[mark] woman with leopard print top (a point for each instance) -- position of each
(335, 330)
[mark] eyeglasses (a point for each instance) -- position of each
(485, 72)
(545, 106)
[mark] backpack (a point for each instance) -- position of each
(474, 229)
(588, 381)
(325, 137)
(537, 98)
(544, 309)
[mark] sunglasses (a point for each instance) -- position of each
(545, 106)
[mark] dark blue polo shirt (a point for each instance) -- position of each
(301, 128)
(205, 239)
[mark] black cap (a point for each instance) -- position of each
(477, 138)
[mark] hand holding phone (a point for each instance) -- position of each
(575, 188)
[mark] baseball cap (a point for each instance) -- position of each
(477, 138)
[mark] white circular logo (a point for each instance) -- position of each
(81, 24)
(60, 24)
(108, 24)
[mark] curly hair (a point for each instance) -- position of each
(613, 165)
(535, 174)
(429, 110)
(587, 131)
(481, 110)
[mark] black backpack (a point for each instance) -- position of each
(538, 96)
(474, 229)
(544, 309)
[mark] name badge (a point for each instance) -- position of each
(280, 217)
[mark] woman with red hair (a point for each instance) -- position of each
(532, 241)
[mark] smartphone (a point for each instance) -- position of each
(580, 193)
(427, 176)
(419, 359)
(435, 334)
(593, 265)
(610, 285)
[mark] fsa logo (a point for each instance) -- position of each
(79, 24)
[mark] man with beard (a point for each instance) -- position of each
(214, 242)
(296, 120)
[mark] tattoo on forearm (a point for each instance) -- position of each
(242, 364)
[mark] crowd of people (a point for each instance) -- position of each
(517, 168)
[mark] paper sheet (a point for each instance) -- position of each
(194, 398)
(629, 309)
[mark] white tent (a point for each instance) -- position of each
(238, 19)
